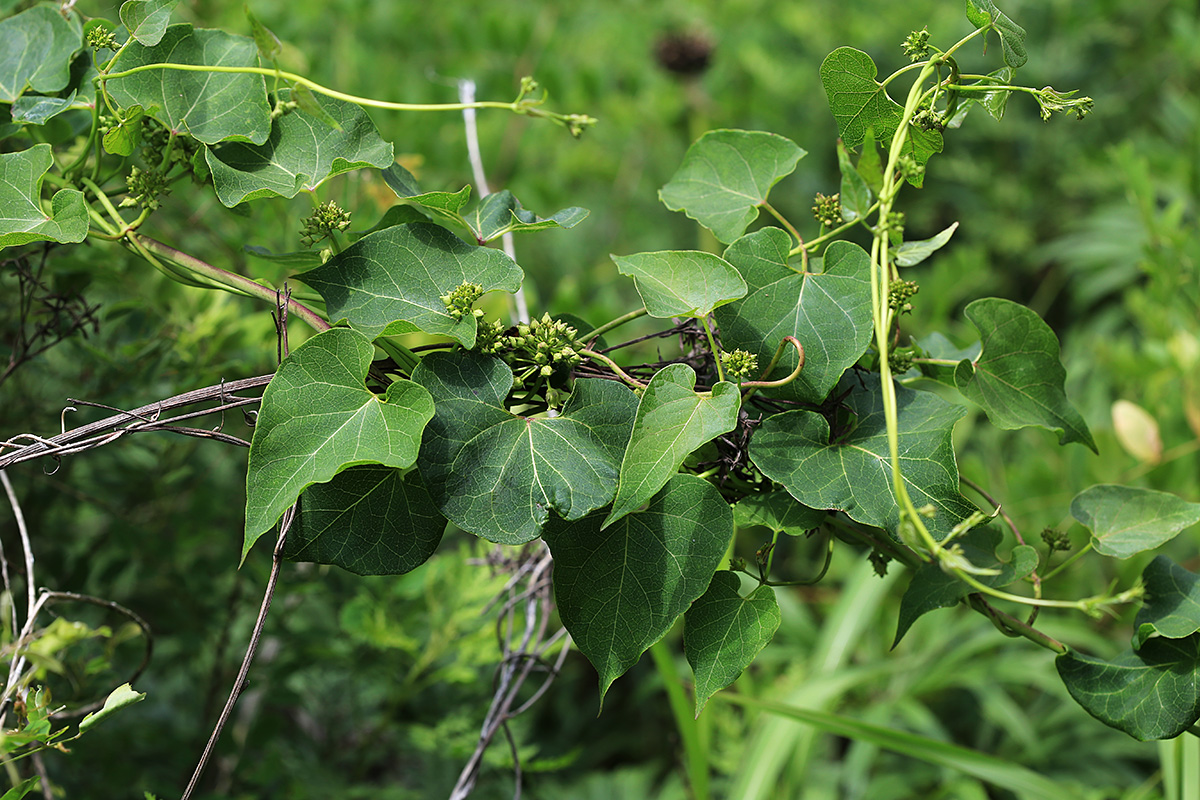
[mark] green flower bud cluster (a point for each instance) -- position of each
(459, 302)
(910, 170)
(900, 359)
(1056, 539)
(894, 225)
(489, 337)
(827, 210)
(899, 293)
(916, 45)
(1050, 101)
(929, 120)
(158, 142)
(145, 187)
(548, 343)
(321, 224)
(739, 364)
(98, 38)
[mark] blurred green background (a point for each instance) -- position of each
(376, 687)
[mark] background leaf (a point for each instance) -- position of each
(984, 14)
(619, 590)
(1152, 693)
(1125, 520)
(35, 109)
(38, 46)
(726, 175)
(1018, 378)
(210, 106)
(856, 195)
(498, 474)
(300, 155)
(910, 254)
(828, 312)
(370, 520)
(778, 511)
(118, 698)
(854, 474)
(22, 219)
(932, 588)
(682, 283)
(723, 632)
(1171, 604)
(317, 418)
(500, 212)
(146, 20)
(401, 273)
(672, 421)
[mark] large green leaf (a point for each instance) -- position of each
(932, 588)
(401, 273)
(146, 20)
(621, 588)
(301, 154)
(210, 106)
(1171, 603)
(1018, 378)
(497, 474)
(723, 632)
(829, 313)
(984, 14)
(22, 218)
(317, 418)
(1151, 693)
(778, 511)
(854, 473)
(672, 421)
(859, 102)
(1125, 520)
(682, 283)
(726, 175)
(370, 520)
(500, 213)
(38, 46)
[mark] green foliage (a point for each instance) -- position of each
(1125, 520)
(25, 219)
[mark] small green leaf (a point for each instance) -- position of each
(209, 106)
(778, 511)
(672, 421)
(500, 213)
(269, 46)
(910, 254)
(146, 20)
(35, 109)
(853, 473)
(937, 346)
(1125, 520)
(402, 272)
(122, 138)
(828, 312)
(859, 103)
(1171, 606)
(23, 788)
(726, 175)
(301, 154)
(38, 46)
(1153, 693)
(723, 632)
(370, 520)
(869, 165)
(497, 474)
(307, 103)
(619, 590)
(22, 219)
(856, 195)
(118, 698)
(1018, 378)
(932, 587)
(317, 418)
(983, 14)
(682, 283)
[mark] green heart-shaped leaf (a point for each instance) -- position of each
(620, 589)
(38, 46)
(778, 511)
(209, 106)
(370, 520)
(828, 312)
(1018, 378)
(854, 473)
(1171, 604)
(682, 283)
(146, 20)
(300, 155)
(672, 421)
(317, 418)
(984, 14)
(23, 219)
(497, 474)
(723, 632)
(1125, 520)
(401, 274)
(726, 175)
